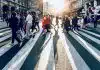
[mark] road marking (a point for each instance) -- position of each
(62, 36)
(5, 37)
(91, 33)
(4, 29)
(5, 32)
(18, 60)
(44, 57)
(5, 48)
(88, 48)
(90, 37)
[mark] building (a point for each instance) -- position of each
(19, 5)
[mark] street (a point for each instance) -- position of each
(75, 50)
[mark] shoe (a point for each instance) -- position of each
(20, 44)
(33, 35)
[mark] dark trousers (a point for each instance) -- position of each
(75, 26)
(36, 24)
(33, 26)
(47, 27)
(95, 24)
(14, 36)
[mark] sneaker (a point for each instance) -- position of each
(20, 44)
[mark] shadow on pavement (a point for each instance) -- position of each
(4, 59)
(34, 55)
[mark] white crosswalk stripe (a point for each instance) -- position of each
(4, 38)
(19, 58)
(5, 48)
(4, 29)
(90, 37)
(43, 62)
(67, 48)
(91, 33)
(5, 32)
(87, 46)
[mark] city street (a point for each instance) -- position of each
(75, 50)
(49, 34)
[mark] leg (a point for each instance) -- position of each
(27, 29)
(13, 36)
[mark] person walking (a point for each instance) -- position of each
(67, 24)
(85, 22)
(33, 21)
(46, 23)
(75, 23)
(29, 20)
(14, 26)
(81, 21)
(37, 22)
(22, 20)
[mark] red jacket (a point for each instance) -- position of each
(45, 21)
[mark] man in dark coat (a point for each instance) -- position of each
(75, 23)
(14, 26)
(67, 24)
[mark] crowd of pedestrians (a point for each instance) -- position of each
(76, 22)
(22, 25)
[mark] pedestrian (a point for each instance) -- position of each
(46, 23)
(85, 22)
(29, 19)
(75, 23)
(22, 20)
(33, 21)
(67, 24)
(82, 22)
(14, 26)
(37, 22)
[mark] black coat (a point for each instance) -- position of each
(14, 23)
(75, 21)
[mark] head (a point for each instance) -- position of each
(14, 14)
(29, 12)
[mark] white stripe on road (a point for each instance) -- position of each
(91, 33)
(70, 57)
(44, 57)
(73, 54)
(5, 32)
(87, 46)
(90, 37)
(5, 48)
(18, 60)
(5, 37)
(4, 29)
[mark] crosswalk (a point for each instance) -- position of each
(84, 46)
(28, 55)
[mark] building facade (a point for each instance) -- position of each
(19, 5)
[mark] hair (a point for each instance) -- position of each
(14, 14)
